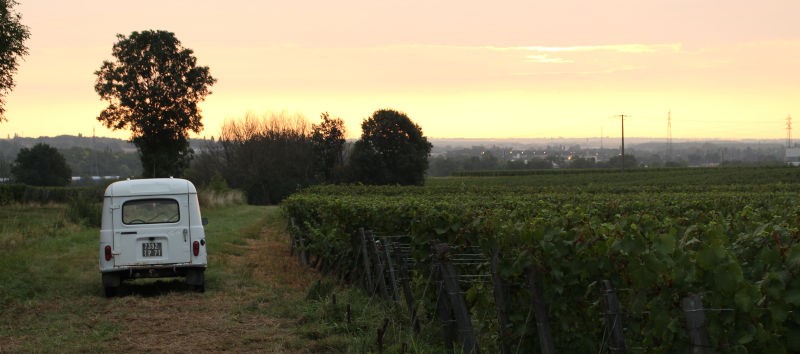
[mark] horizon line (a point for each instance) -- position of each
(611, 137)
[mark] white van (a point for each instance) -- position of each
(152, 228)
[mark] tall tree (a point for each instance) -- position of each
(41, 165)
(12, 48)
(153, 88)
(392, 150)
(328, 140)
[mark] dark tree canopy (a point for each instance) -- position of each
(392, 150)
(630, 162)
(12, 48)
(269, 158)
(153, 88)
(41, 165)
(328, 140)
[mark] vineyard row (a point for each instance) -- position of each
(737, 250)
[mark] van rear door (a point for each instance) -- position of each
(151, 230)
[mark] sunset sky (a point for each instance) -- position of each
(472, 69)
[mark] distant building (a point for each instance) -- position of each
(96, 178)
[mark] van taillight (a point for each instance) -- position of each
(108, 253)
(196, 248)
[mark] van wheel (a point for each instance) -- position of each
(197, 279)
(111, 291)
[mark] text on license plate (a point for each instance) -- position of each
(151, 249)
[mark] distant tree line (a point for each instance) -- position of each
(273, 156)
(268, 157)
(43, 165)
(82, 162)
(86, 162)
(447, 165)
(651, 155)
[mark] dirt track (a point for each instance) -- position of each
(238, 313)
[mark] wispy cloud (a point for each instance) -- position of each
(578, 72)
(544, 58)
(620, 48)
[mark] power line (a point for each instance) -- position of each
(769, 121)
(669, 135)
(622, 124)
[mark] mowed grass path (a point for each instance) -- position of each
(51, 297)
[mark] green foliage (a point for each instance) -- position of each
(41, 165)
(11, 193)
(153, 88)
(781, 178)
(392, 150)
(86, 207)
(25, 225)
(207, 165)
(734, 244)
(218, 183)
(13, 35)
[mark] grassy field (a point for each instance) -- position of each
(258, 298)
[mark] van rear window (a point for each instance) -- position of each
(150, 211)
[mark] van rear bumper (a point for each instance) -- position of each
(113, 277)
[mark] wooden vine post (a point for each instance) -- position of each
(501, 296)
(613, 319)
(445, 313)
(379, 273)
(367, 265)
(381, 332)
(451, 294)
(540, 314)
(387, 251)
(292, 236)
(405, 278)
(298, 242)
(699, 342)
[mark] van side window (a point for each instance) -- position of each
(150, 211)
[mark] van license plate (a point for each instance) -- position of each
(151, 249)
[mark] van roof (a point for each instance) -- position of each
(150, 186)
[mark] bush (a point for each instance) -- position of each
(24, 194)
(11, 193)
(212, 198)
(86, 208)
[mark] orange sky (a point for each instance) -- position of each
(478, 69)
